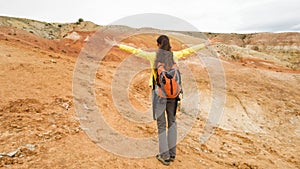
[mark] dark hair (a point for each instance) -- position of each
(164, 54)
(163, 42)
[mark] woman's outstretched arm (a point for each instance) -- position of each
(129, 49)
(138, 52)
(189, 51)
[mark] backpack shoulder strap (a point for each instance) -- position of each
(175, 66)
(160, 67)
(159, 64)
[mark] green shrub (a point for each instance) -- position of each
(79, 21)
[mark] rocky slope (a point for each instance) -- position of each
(283, 47)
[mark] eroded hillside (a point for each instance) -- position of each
(39, 127)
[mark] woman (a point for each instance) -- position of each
(167, 139)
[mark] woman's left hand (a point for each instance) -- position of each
(211, 42)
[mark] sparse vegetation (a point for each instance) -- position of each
(79, 21)
(243, 36)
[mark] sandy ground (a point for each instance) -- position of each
(258, 129)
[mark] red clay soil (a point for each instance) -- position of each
(260, 127)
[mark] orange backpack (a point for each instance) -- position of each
(168, 81)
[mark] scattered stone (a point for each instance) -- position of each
(221, 155)
(53, 61)
(66, 106)
(15, 126)
(84, 128)
(53, 126)
(65, 103)
(30, 147)
(73, 36)
(204, 148)
(22, 151)
(77, 130)
(87, 39)
(54, 57)
(58, 137)
(40, 119)
(12, 153)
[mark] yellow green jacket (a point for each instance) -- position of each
(151, 56)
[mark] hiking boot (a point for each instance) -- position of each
(163, 161)
(172, 158)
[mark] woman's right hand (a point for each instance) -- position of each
(111, 42)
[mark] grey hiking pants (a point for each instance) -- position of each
(163, 108)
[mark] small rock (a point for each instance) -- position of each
(66, 106)
(15, 126)
(84, 128)
(220, 155)
(204, 148)
(12, 153)
(58, 137)
(77, 130)
(30, 147)
(39, 119)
